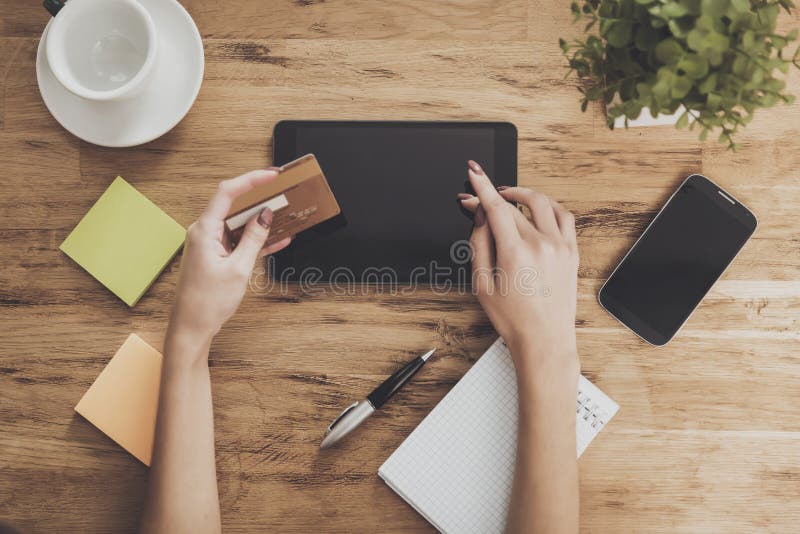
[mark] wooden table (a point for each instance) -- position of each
(708, 435)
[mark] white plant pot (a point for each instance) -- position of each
(646, 119)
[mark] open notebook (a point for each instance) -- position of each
(456, 468)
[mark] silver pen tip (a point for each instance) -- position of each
(427, 355)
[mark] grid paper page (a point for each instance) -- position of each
(457, 466)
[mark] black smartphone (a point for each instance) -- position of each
(671, 267)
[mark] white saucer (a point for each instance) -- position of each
(170, 93)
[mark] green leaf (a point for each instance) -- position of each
(709, 84)
(632, 109)
(713, 101)
(740, 6)
(705, 22)
(694, 66)
(644, 2)
(681, 86)
(626, 8)
(718, 42)
(606, 9)
(748, 39)
(594, 92)
(619, 35)
(715, 58)
(656, 12)
(755, 79)
(743, 21)
(673, 10)
(704, 135)
(768, 15)
(693, 6)
(715, 8)
(595, 45)
(669, 51)
(581, 67)
(740, 65)
(792, 35)
(680, 27)
(769, 100)
(646, 37)
(696, 39)
(683, 121)
(644, 90)
(661, 92)
(563, 45)
(614, 112)
(709, 44)
(626, 90)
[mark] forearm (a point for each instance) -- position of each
(182, 491)
(545, 494)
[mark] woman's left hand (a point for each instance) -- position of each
(214, 276)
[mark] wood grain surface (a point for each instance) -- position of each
(708, 435)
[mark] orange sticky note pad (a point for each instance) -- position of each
(123, 401)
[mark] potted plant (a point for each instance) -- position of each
(711, 62)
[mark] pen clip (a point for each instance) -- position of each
(344, 412)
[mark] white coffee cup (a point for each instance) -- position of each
(102, 49)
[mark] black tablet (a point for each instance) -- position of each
(396, 183)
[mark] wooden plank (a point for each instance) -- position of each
(699, 481)
(22, 19)
(363, 19)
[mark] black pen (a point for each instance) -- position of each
(358, 412)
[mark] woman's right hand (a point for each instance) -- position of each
(214, 274)
(525, 275)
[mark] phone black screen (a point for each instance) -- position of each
(396, 184)
(677, 260)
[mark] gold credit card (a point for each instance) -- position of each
(299, 199)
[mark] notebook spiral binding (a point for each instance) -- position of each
(590, 412)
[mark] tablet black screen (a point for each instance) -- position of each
(396, 184)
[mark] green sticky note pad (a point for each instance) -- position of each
(124, 241)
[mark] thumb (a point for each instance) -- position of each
(253, 238)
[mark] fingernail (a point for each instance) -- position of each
(480, 216)
(265, 218)
(474, 166)
(464, 196)
(503, 188)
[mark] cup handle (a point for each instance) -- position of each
(53, 6)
